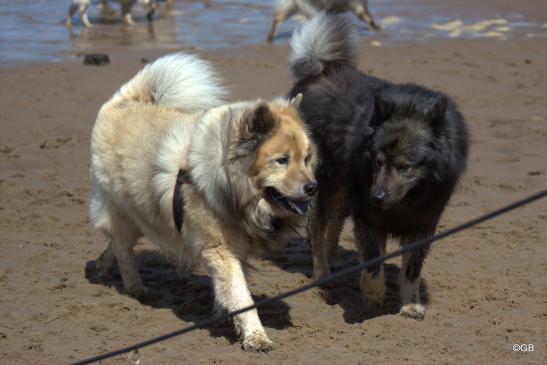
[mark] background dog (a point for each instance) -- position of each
(250, 167)
(286, 8)
(82, 6)
(390, 155)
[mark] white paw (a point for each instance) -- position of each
(416, 311)
(257, 341)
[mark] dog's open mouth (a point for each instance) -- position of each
(297, 206)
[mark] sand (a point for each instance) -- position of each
(486, 288)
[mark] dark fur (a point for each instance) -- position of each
(360, 122)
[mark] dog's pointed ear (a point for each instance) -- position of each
(438, 111)
(251, 130)
(295, 102)
(256, 125)
(260, 122)
(383, 109)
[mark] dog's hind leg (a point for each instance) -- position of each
(410, 279)
(126, 6)
(284, 10)
(107, 261)
(371, 243)
(151, 10)
(124, 236)
(334, 229)
(71, 11)
(232, 293)
(361, 10)
(82, 10)
(318, 227)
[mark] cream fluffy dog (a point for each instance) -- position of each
(247, 171)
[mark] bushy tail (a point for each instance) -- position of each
(178, 80)
(324, 39)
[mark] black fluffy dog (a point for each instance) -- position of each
(391, 155)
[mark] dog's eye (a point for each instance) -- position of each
(403, 168)
(282, 160)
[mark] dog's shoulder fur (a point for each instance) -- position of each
(179, 96)
(167, 94)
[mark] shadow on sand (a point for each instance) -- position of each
(297, 258)
(189, 296)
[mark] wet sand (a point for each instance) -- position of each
(33, 31)
(485, 288)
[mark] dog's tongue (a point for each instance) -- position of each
(299, 207)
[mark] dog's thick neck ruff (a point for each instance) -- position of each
(183, 177)
(222, 181)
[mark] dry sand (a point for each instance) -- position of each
(486, 288)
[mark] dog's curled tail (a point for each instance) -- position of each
(326, 38)
(178, 80)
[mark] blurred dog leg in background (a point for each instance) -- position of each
(308, 8)
(82, 6)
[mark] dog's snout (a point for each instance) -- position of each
(378, 196)
(310, 188)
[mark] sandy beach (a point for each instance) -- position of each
(486, 288)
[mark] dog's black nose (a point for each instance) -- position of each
(378, 196)
(310, 188)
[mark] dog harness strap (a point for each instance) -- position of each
(183, 177)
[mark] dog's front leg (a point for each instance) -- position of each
(318, 227)
(71, 11)
(283, 11)
(371, 243)
(126, 11)
(232, 293)
(361, 10)
(82, 10)
(410, 278)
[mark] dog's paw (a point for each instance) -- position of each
(413, 310)
(258, 341)
(138, 291)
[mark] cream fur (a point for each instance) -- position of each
(169, 117)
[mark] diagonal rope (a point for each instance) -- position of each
(337, 275)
